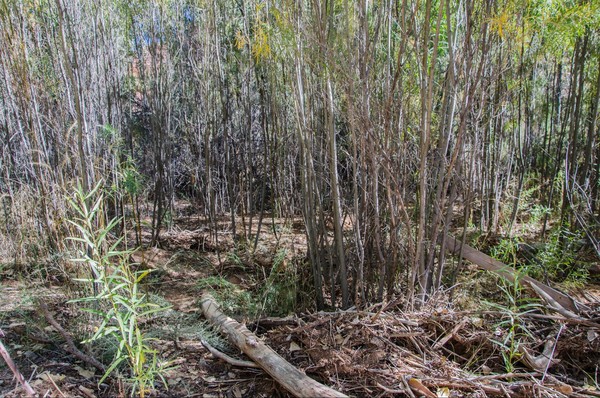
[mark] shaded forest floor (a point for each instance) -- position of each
(459, 346)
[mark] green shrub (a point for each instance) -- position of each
(507, 251)
(558, 259)
(511, 331)
(280, 291)
(274, 297)
(117, 301)
(231, 297)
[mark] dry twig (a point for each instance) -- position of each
(55, 386)
(4, 352)
(71, 348)
(227, 358)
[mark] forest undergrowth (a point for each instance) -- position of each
(481, 337)
(401, 198)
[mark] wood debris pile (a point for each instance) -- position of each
(442, 353)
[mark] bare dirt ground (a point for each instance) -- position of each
(448, 348)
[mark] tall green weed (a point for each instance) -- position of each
(117, 301)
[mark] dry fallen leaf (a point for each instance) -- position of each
(443, 392)
(294, 347)
(87, 392)
(236, 392)
(55, 377)
(88, 374)
(17, 327)
(565, 389)
(419, 388)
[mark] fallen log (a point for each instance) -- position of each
(556, 300)
(292, 379)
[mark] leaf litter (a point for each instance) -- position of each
(438, 350)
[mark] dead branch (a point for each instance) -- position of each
(282, 371)
(4, 352)
(227, 358)
(71, 348)
(390, 390)
(558, 301)
(505, 376)
(58, 390)
(450, 335)
(468, 385)
(273, 322)
(407, 388)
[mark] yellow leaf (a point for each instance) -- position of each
(417, 386)
(260, 47)
(499, 23)
(565, 389)
(240, 40)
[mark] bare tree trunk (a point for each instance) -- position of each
(71, 67)
(337, 211)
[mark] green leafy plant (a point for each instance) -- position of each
(506, 251)
(277, 295)
(538, 212)
(117, 301)
(234, 258)
(280, 291)
(558, 258)
(511, 331)
(232, 298)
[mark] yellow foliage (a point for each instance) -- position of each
(499, 23)
(240, 40)
(260, 46)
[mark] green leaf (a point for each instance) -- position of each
(96, 205)
(111, 368)
(93, 311)
(153, 311)
(131, 333)
(142, 275)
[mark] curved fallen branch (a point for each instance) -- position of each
(232, 361)
(292, 379)
(71, 348)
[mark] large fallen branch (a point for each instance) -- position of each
(292, 379)
(558, 301)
